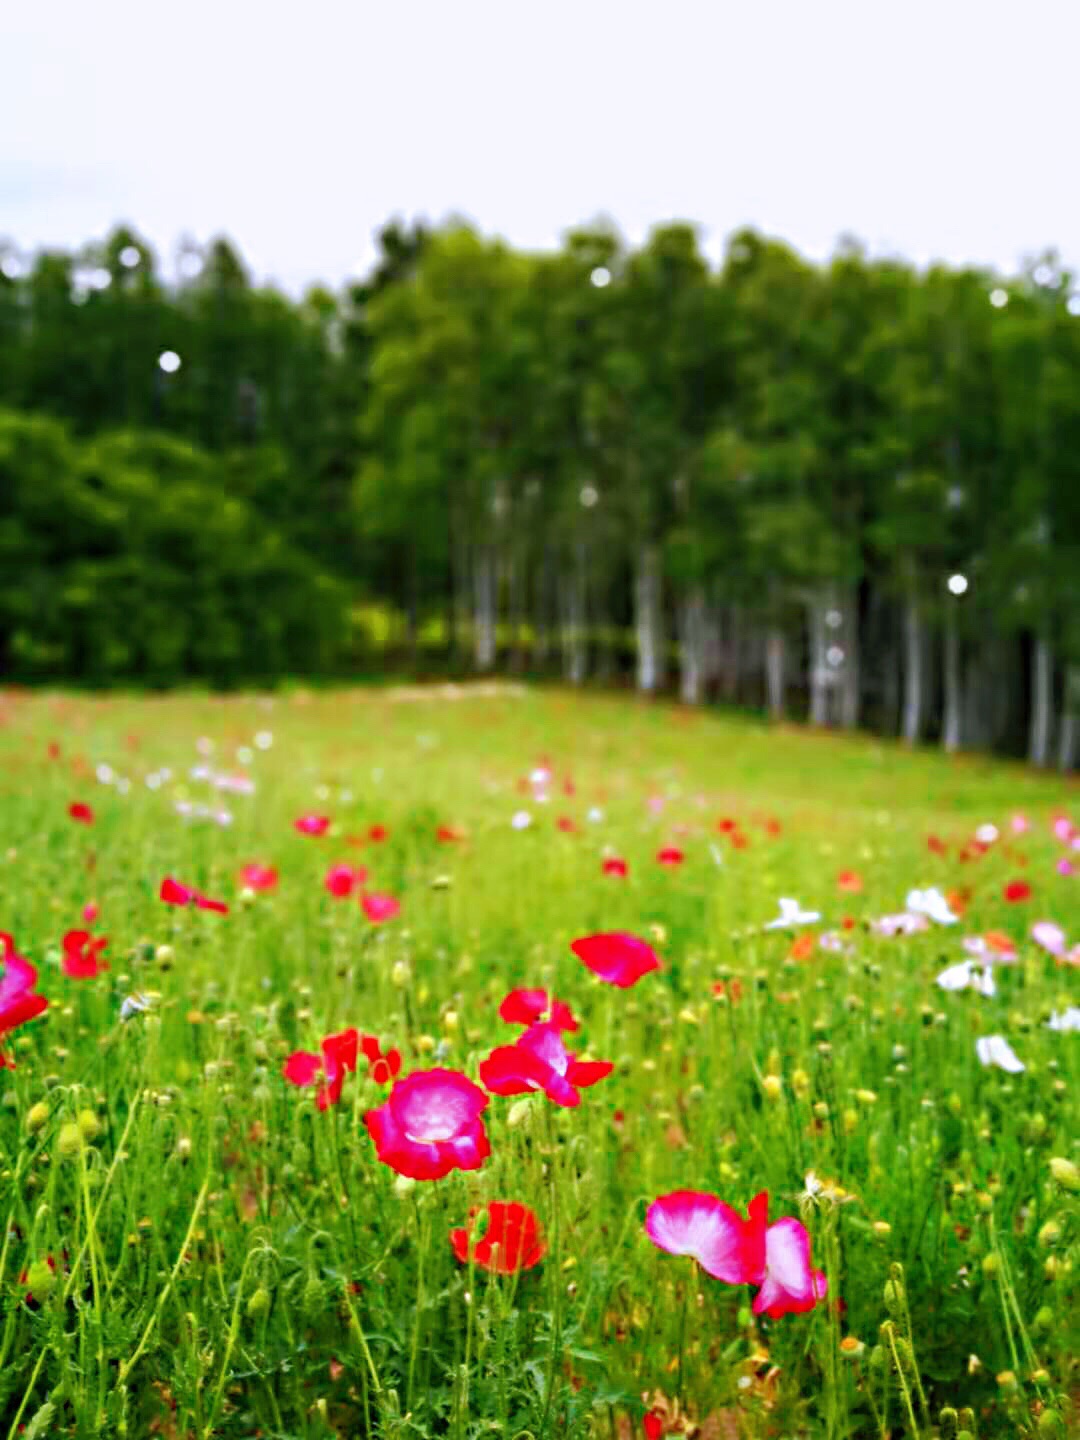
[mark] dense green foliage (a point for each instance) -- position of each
(763, 474)
(229, 1261)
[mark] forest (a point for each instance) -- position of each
(845, 492)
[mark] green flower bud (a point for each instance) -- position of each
(40, 1280)
(1065, 1172)
(89, 1125)
(70, 1141)
(312, 1302)
(894, 1298)
(948, 1423)
(258, 1306)
(36, 1117)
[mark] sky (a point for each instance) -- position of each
(941, 130)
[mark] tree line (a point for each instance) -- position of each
(848, 492)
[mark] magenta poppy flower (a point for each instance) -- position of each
(539, 1060)
(82, 955)
(342, 880)
(173, 893)
(19, 1002)
(512, 1240)
(526, 1007)
(379, 908)
(430, 1124)
(617, 957)
(338, 1059)
(695, 1223)
(616, 866)
(789, 1285)
(312, 824)
(670, 855)
(81, 813)
(259, 877)
(90, 912)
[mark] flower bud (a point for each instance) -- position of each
(991, 1263)
(258, 1306)
(894, 1298)
(1049, 1234)
(518, 1113)
(40, 1280)
(1066, 1173)
(70, 1141)
(1050, 1424)
(36, 1117)
(948, 1423)
(89, 1125)
(399, 975)
(1044, 1318)
(773, 1086)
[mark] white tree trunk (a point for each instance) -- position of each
(848, 673)
(774, 671)
(572, 601)
(1042, 702)
(950, 729)
(1069, 730)
(732, 656)
(484, 608)
(648, 621)
(914, 689)
(820, 678)
(692, 646)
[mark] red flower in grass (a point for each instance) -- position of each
(259, 877)
(849, 881)
(430, 1124)
(377, 834)
(670, 855)
(616, 866)
(539, 1060)
(566, 824)
(617, 957)
(90, 912)
(82, 955)
(338, 1059)
(173, 893)
(726, 826)
(739, 841)
(449, 834)
(526, 1007)
(312, 824)
(342, 880)
(511, 1241)
(936, 845)
(18, 1000)
(741, 1252)
(1016, 891)
(383, 1067)
(379, 908)
(81, 813)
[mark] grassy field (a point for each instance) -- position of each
(194, 1247)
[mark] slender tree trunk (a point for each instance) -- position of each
(1042, 702)
(950, 730)
(543, 596)
(517, 590)
(820, 677)
(849, 672)
(484, 587)
(648, 621)
(774, 670)
(461, 605)
(572, 595)
(692, 645)
(914, 688)
(732, 664)
(1069, 730)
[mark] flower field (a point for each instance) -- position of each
(492, 1062)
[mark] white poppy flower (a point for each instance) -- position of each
(932, 904)
(792, 913)
(996, 1050)
(967, 975)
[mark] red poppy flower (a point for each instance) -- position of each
(567, 825)
(379, 908)
(312, 824)
(511, 1241)
(448, 834)
(540, 1061)
(526, 1007)
(53, 750)
(259, 877)
(849, 881)
(338, 1058)
(773, 827)
(654, 1425)
(802, 946)
(81, 812)
(726, 825)
(739, 840)
(382, 1067)
(670, 855)
(430, 1124)
(935, 845)
(616, 866)
(342, 880)
(617, 957)
(1016, 891)
(90, 912)
(18, 1000)
(173, 893)
(377, 834)
(82, 955)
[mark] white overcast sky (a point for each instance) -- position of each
(936, 130)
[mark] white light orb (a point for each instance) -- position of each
(835, 656)
(589, 496)
(833, 619)
(601, 276)
(999, 298)
(957, 584)
(11, 267)
(129, 257)
(169, 361)
(1073, 304)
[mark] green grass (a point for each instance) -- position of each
(232, 1262)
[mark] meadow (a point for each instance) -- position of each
(823, 968)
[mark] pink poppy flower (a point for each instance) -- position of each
(312, 824)
(379, 908)
(81, 813)
(616, 866)
(82, 955)
(382, 1067)
(1051, 937)
(173, 893)
(512, 1240)
(90, 912)
(18, 1001)
(1020, 824)
(789, 1283)
(430, 1124)
(617, 957)
(342, 880)
(338, 1058)
(526, 1007)
(1063, 829)
(259, 877)
(693, 1222)
(670, 855)
(1016, 891)
(1065, 867)
(539, 1060)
